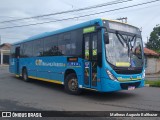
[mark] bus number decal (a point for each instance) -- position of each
(74, 64)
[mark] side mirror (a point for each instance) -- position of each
(106, 38)
(100, 27)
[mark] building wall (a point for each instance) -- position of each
(6, 59)
(153, 65)
(158, 65)
(5, 56)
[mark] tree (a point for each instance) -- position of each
(154, 40)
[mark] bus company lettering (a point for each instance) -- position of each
(40, 62)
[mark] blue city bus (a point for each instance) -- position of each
(100, 54)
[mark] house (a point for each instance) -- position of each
(4, 53)
(152, 61)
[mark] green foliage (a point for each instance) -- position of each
(154, 40)
(153, 83)
(158, 51)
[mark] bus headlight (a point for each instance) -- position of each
(144, 74)
(111, 76)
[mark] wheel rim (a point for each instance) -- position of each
(73, 85)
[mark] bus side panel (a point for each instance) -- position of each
(51, 68)
(29, 64)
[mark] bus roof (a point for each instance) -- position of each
(84, 24)
(46, 34)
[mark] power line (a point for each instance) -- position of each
(157, 5)
(83, 15)
(69, 11)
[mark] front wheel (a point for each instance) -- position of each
(71, 84)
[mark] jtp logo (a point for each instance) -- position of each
(38, 62)
(6, 114)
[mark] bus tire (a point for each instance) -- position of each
(25, 75)
(71, 84)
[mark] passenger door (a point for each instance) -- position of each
(90, 62)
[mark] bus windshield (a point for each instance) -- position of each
(124, 50)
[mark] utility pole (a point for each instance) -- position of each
(147, 40)
(0, 39)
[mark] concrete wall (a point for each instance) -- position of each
(158, 65)
(153, 65)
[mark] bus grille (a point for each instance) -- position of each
(128, 71)
(126, 85)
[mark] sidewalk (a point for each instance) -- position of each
(4, 67)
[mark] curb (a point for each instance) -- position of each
(4, 65)
(147, 85)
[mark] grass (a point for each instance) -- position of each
(153, 83)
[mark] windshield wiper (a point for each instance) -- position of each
(117, 34)
(126, 41)
(131, 41)
(128, 47)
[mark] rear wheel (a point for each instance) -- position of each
(25, 75)
(71, 84)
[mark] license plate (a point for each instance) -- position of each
(131, 87)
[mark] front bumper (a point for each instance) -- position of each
(110, 85)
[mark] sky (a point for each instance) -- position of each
(145, 17)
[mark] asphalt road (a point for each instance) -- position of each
(16, 94)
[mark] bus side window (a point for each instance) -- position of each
(75, 46)
(21, 50)
(12, 52)
(61, 45)
(67, 42)
(38, 47)
(50, 46)
(28, 49)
